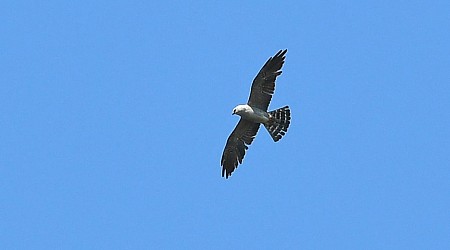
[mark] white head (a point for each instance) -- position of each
(239, 109)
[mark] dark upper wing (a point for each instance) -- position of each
(263, 85)
(237, 142)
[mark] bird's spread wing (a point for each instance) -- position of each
(237, 142)
(263, 85)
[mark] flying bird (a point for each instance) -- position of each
(255, 113)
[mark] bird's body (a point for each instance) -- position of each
(251, 113)
(255, 113)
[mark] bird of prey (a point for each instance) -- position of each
(255, 113)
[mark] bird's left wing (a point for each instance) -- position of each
(263, 85)
(237, 142)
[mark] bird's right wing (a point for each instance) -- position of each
(237, 142)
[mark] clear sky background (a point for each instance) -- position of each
(114, 115)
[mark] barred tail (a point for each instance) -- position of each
(279, 121)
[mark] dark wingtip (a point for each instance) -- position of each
(281, 53)
(225, 173)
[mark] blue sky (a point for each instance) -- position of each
(114, 115)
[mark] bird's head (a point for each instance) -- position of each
(238, 110)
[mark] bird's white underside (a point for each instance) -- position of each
(251, 113)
